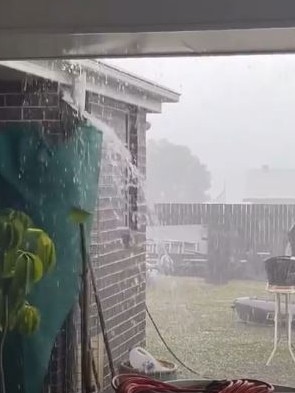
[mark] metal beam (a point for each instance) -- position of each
(67, 28)
(110, 16)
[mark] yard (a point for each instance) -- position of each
(197, 322)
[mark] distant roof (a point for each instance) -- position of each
(267, 183)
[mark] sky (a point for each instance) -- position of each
(235, 113)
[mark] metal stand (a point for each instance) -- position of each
(285, 292)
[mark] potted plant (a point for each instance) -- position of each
(26, 254)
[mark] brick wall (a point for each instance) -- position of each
(119, 265)
(38, 101)
(120, 269)
(34, 100)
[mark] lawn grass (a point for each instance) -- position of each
(197, 321)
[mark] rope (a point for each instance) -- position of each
(169, 349)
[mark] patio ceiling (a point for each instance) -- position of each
(104, 28)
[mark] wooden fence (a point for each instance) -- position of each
(234, 230)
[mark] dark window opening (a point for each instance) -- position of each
(131, 193)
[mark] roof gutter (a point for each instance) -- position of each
(101, 79)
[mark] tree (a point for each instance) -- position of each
(175, 175)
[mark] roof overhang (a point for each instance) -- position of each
(102, 79)
(66, 28)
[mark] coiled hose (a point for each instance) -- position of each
(130, 383)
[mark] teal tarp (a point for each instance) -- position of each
(46, 181)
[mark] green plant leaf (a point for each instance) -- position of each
(13, 312)
(79, 216)
(6, 214)
(11, 215)
(9, 260)
(26, 254)
(23, 218)
(20, 275)
(35, 267)
(19, 230)
(28, 270)
(46, 252)
(38, 242)
(30, 241)
(5, 234)
(12, 228)
(28, 319)
(16, 296)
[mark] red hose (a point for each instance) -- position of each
(129, 383)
